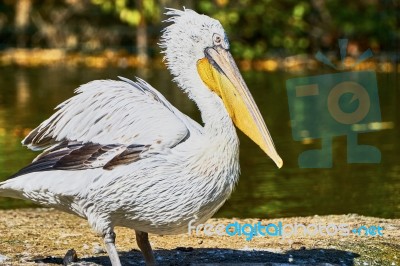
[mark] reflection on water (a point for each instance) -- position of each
(28, 96)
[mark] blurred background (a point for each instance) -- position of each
(257, 29)
(48, 48)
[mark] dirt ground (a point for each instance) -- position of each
(43, 236)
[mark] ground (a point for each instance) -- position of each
(43, 236)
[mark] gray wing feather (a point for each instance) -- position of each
(107, 112)
(106, 124)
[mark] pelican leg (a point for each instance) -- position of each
(109, 241)
(142, 239)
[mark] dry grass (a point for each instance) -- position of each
(30, 236)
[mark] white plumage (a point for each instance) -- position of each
(108, 111)
(119, 154)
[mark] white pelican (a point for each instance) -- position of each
(119, 154)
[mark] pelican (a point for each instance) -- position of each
(119, 154)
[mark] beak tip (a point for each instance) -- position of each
(271, 152)
(278, 161)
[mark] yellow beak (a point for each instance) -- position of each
(220, 73)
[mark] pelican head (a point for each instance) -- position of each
(198, 42)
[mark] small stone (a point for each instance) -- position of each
(3, 258)
(85, 246)
(98, 250)
(200, 242)
(25, 254)
(70, 257)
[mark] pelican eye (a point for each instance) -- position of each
(217, 39)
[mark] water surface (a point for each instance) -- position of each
(28, 96)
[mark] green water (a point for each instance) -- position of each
(28, 96)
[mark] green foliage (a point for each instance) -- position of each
(131, 12)
(256, 28)
(292, 27)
